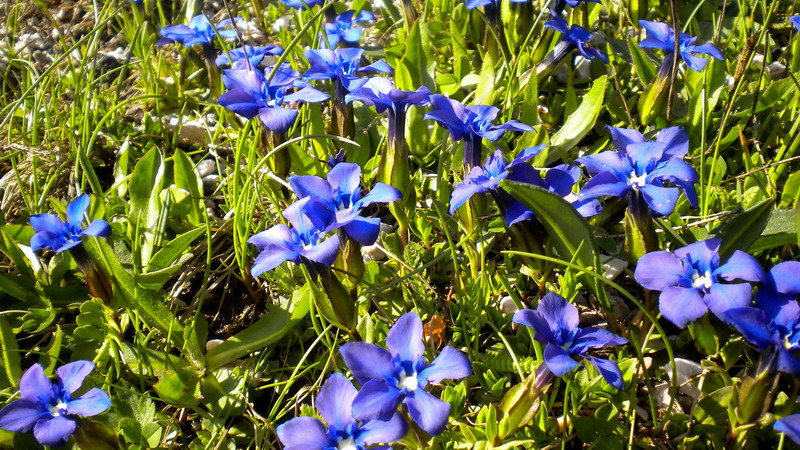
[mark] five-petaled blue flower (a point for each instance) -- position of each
(487, 178)
(795, 20)
(381, 93)
(341, 65)
(53, 234)
(643, 167)
(472, 4)
(304, 242)
(341, 192)
(250, 94)
(401, 375)
(253, 54)
(661, 36)
(556, 323)
(48, 408)
(302, 4)
(334, 403)
(574, 37)
(343, 27)
(199, 31)
(691, 280)
(790, 425)
(775, 322)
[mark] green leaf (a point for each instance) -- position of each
(145, 186)
(180, 388)
(265, 331)
(579, 122)
(186, 178)
(10, 352)
(484, 93)
(170, 253)
(743, 230)
(782, 229)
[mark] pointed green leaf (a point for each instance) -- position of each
(579, 122)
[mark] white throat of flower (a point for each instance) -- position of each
(58, 409)
(347, 443)
(637, 181)
(408, 382)
(702, 281)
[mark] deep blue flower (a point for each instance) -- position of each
(556, 323)
(401, 375)
(298, 4)
(199, 31)
(254, 54)
(341, 192)
(304, 241)
(691, 280)
(790, 425)
(643, 167)
(48, 408)
(795, 20)
(381, 93)
(472, 4)
(343, 27)
(334, 403)
(250, 94)
(487, 178)
(661, 36)
(470, 124)
(573, 37)
(341, 65)
(53, 234)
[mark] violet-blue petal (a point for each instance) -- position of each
(661, 200)
(430, 413)
(722, 297)
(380, 193)
(558, 312)
(98, 228)
(784, 277)
(659, 35)
(367, 361)
(66, 245)
(311, 186)
(676, 139)
(346, 177)
(795, 20)
(55, 431)
(752, 323)
(605, 184)
(681, 306)
(34, 385)
(704, 251)
(20, 415)
(790, 425)
(271, 257)
(592, 338)
(623, 137)
(741, 266)
(658, 270)
(708, 49)
(384, 432)
(307, 94)
(377, 400)
(278, 235)
(518, 212)
(76, 209)
(47, 222)
(46, 240)
(534, 319)
(335, 400)
(695, 63)
(324, 252)
(405, 337)
(787, 361)
(603, 162)
(609, 370)
(240, 102)
(365, 230)
(91, 403)
(463, 192)
(304, 433)
(277, 119)
(558, 360)
(71, 375)
(451, 364)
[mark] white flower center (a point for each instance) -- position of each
(703, 281)
(637, 180)
(571, 197)
(409, 382)
(346, 444)
(57, 409)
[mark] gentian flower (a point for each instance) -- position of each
(199, 31)
(487, 178)
(642, 168)
(470, 124)
(343, 27)
(661, 36)
(250, 95)
(340, 65)
(48, 408)
(53, 234)
(401, 375)
(472, 4)
(555, 322)
(253, 54)
(304, 242)
(795, 20)
(301, 5)
(691, 280)
(790, 425)
(334, 403)
(573, 37)
(341, 193)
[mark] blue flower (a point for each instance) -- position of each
(298, 4)
(661, 36)
(795, 20)
(790, 425)
(340, 65)
(53, 234)
(401, 375)
(254, 54)
(304, 242)
(691, 280)
(470, 124)
(472, 4)
(487, 178)
(643, 167)
(48, 408)
(341, 193)
(574, 37)
(381, 93)
(334, 403)
(250, 94)
(556, 323)
(199, 31)
(343, 27)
